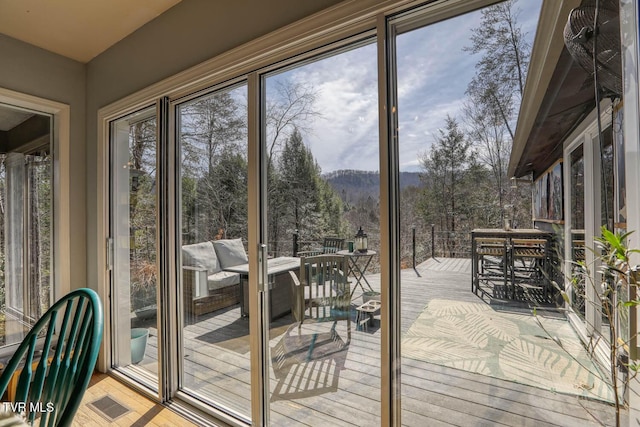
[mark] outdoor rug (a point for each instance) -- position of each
(508, 345)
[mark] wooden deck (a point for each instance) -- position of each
(338, 382)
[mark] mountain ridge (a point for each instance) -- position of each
(353, 184)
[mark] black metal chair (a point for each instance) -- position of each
(492, 268)
(310, 355)
(528, 265)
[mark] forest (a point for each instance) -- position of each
(461, 184)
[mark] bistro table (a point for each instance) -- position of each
(358, 263)
(509, 238)
(365, 314)
(280, 293)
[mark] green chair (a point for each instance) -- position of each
(52, 367)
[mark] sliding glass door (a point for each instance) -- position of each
(214, 355)
(576, 229)
(267, 218)
(133, 246)
(323, 186)
(449, 140)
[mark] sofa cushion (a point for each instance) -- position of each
(201, 255)
(222, 279)
(230, 252)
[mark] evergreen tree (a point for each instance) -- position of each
(300, 200)
(298, 180)
(446, 170)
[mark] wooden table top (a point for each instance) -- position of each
(509, 233)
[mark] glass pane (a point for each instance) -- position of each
(457, 104)
(135, 281)
(213, 225)
(620, 213)
(578, 248)
(606, 217)
(26, 208)
(323, 186)
(606, 179)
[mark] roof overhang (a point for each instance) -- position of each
(558, 95)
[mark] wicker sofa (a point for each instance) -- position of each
(207, 286)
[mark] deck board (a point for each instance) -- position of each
(217, 364)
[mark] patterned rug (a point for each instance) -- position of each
(505, 344)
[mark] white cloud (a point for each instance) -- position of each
(433, 74)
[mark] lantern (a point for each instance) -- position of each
(361, 241)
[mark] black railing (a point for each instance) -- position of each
(416, 247)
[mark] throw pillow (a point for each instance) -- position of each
(201, 255)
(230, 252)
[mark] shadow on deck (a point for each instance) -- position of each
(442, 384)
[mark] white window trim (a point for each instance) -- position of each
(61, 182)
(585, 134)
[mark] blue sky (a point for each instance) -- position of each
(433, 74)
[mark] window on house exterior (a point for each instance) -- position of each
(576, 225)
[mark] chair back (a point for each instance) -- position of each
(331, 245)
(322, 291)
(52, 367)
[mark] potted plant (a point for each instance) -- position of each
(618, 294)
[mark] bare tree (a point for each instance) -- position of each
(490, 137)
(292, 107)
(501, 72)
(495, 92)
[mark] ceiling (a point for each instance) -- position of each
(10, 118)
(77, 29)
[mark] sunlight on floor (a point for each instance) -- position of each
(138, 410)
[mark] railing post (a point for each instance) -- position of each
(413, 232)
(433, 240)
(295, 242)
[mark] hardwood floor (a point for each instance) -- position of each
(142, 411)
(334, 378)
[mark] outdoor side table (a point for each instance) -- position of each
(358, 263)
(368, 309)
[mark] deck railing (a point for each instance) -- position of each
(415, 248)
